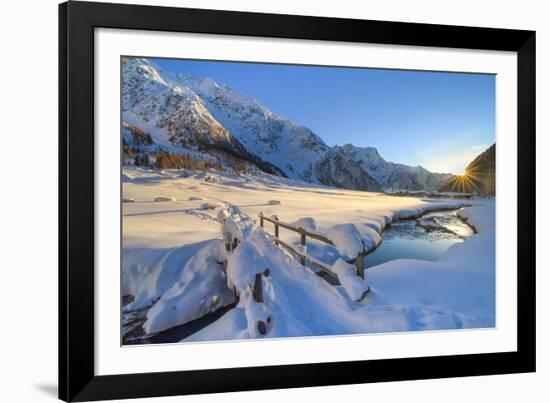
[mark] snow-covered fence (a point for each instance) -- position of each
(231, 232)
(248, 273)
(257, 291)
(358, 261)
(301, 231)
(304, 257)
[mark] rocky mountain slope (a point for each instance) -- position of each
(393, 176)
(184, 114)
(337, 169)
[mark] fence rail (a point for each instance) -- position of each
(265, 324)
(300, 230)
(305, 257)
(358, 261)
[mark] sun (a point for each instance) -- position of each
(467, 181)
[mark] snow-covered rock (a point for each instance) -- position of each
(209, 206)
(164, 199)
(201, 288)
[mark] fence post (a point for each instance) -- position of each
(228, 241)
(257, 292)
(262, 328)
(276, 230)
(303, 242)
(360, 265)
(258, 296)
(261, 219)
(360, 262)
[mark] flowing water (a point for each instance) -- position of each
(133, 332)
(426, 238)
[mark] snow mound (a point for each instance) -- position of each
(347, 239)
(307, 223)
(209, 206)
(201, 289)
(370, 237)
(147, 273)
(230, 229)
(482, 220)
(164, 199)
(241, 220)
(356, 287)
(243, 265)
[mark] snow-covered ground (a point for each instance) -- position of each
(174, 259)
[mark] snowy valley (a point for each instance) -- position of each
(177, 270)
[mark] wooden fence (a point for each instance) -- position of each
(358, 261)
(264, 326)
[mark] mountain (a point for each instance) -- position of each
(174, 115)
(337, 169)
(292, 148)
(479, 175)
(185, 114)
(392, 176)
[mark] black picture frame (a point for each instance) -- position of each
(77, 379)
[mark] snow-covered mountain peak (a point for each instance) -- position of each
(185, 111)
(367, 153)
(199, 85)
(144, 68)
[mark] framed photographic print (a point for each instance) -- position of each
(258, 201)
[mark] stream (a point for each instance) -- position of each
(426, 238)
(133, 333)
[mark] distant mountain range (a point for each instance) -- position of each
(181, 114)
(479, 175)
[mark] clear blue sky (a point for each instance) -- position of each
(438, 120)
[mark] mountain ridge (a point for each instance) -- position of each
(189, 113)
